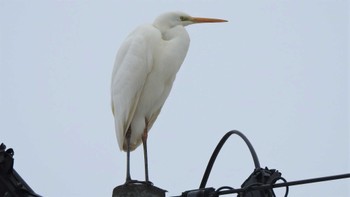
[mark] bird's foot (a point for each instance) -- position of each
(135, 182)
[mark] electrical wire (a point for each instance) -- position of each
(292, 183)
(256, 184)
(217, 150)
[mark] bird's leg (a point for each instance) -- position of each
(144, 143)
(128, 177)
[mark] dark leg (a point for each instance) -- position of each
(128, 177)
(144, 142)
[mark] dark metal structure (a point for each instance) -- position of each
(11, 183)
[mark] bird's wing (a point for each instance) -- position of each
(153, 118)
(133, 64)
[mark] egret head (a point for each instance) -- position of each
(172, 19)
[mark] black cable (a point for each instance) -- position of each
(292, 183)
(285, 181)
(263, 180)
(224, 188)
(229, 190)
(217, 150)
(216, 193)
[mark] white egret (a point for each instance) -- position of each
(143, 74)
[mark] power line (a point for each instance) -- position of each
(259, 184)
(285, 184)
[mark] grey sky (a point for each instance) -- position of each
(278, 72)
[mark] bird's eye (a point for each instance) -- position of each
(182, 18)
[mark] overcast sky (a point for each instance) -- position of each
(278, 72)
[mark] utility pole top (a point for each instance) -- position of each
(138, 190)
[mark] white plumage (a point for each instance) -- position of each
(144, 72)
